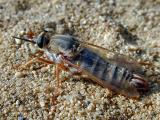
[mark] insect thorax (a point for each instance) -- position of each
(67, 45)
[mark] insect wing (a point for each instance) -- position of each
(115, 58)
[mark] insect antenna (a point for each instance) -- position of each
(24, 39)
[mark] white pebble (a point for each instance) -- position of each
(42, 104)
(18, 41)
(19, 74)
(17, 102)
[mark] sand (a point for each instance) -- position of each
(123, 26)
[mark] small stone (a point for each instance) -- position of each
(17, 102)
(91, 107)
(22, 32)
(102, 18)
(19, 74)
(44, 69)
(83, 22)
(42, 103)
(21, 108)
(18, 41)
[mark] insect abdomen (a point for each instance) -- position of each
(102, 69)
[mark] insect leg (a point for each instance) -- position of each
(21, 67)
(75, 74)
(53, 99)
(36, 58)
(57, 72)
(57, 75)
(45, 61)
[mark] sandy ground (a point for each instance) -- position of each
(123, 26)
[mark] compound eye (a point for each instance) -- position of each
(42, 40)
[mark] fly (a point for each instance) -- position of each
(81, 60)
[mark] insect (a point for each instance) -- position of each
(77, 57)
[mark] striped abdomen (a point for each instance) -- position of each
(102, 69)
(112, 76)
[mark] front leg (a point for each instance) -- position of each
(36, 58)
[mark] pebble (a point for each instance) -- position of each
(19, 74)
(21, 108)
(17, 102)
(44, 69)
(18, 41)
(91, 107)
